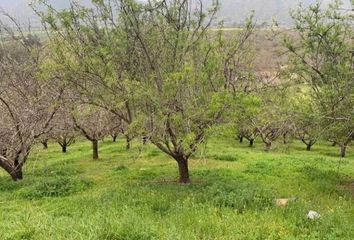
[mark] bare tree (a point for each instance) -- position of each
(92, 122)
(63, 129)
(27, 105)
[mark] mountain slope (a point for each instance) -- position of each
(235, 11)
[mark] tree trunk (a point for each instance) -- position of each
(285, 138)
(127, 142)
(183, 170)
(241, 139)
(334, 144)
(268, 146)
(308, 147)
(343, 150)
(251, 142)
(145, 139)
(95, 149)
(16, 174)
(45, 144)
(15, 169)
(63, 148)
(114, 138)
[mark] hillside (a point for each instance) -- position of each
(133, 194)
(235, 11)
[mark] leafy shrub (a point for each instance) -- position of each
(55, 187)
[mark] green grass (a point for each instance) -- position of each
(134, 195)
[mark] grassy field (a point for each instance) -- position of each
(134, 195)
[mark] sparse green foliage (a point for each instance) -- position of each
(321, 56)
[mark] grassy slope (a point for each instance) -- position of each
(133, 195)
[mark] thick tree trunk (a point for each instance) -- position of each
(95, 149)
(308, 147)
(240, 138)
(251, 142)
(14, 169)
(334, 144)
(343, 150)
(183, 170)
(63, 148)
(15, 173)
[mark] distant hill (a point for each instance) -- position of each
(236, 11)
(233, 12)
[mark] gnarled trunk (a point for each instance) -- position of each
(95, 149)
(15, 171)
(251, 142)
(308, 143)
